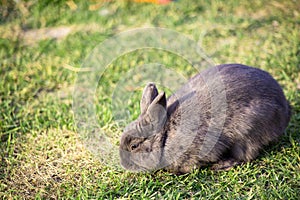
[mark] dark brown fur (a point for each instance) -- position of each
(222, 116)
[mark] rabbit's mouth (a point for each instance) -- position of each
(127, 163)
(139, 162)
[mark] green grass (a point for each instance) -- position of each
(42, 156)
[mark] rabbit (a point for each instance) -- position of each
(221, 117)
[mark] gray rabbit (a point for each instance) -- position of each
(219, 118)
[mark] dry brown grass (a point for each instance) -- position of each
(44, 162)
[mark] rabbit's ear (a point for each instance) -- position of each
(157, 111)
(149, 94)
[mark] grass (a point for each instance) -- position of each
(42, 156)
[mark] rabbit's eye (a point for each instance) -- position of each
(134, 146)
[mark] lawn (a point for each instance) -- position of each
(46, 47)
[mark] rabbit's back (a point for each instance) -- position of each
(251, 91)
